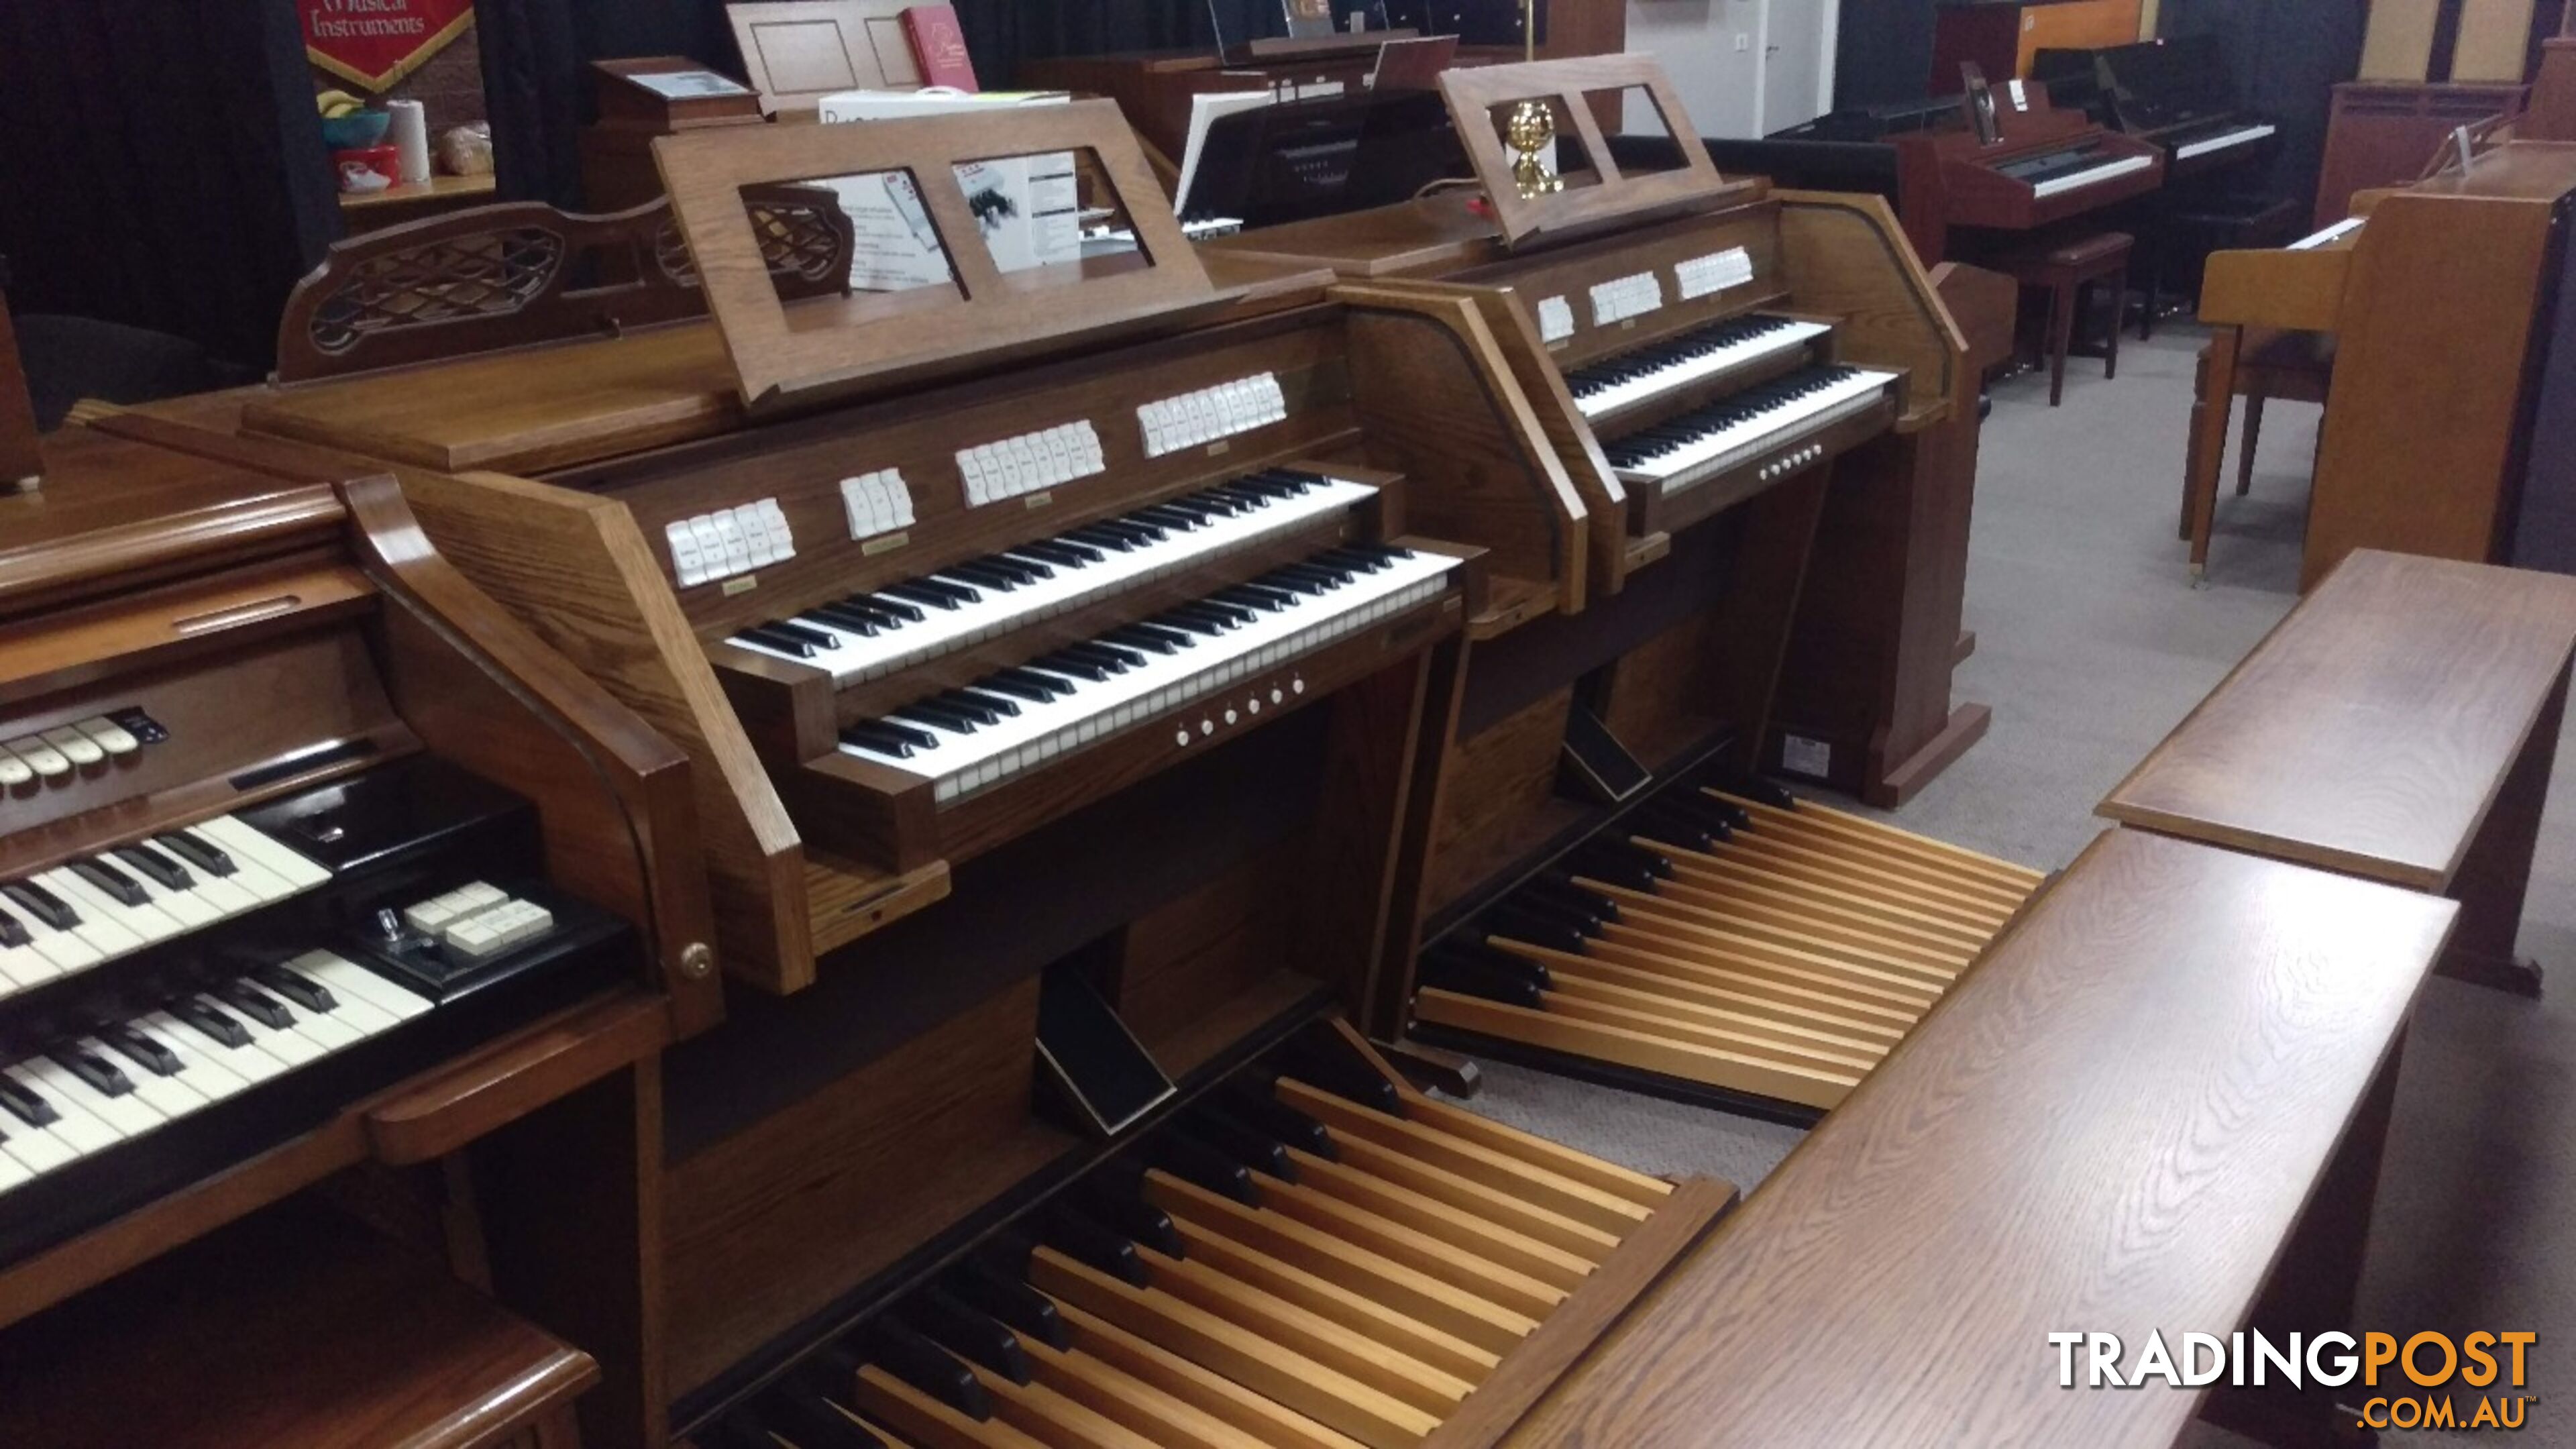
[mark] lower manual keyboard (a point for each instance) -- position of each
(1698, 445)
(972, 738)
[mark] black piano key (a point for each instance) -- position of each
(1261, 599)
(1074, 1233)
(917, 593)
(27, 1106)
(297, 987)
(1530, 928)
(1338, 1071)
(1002, 706)
(1114, 1193)
(1137, 530)
(214, 1021)
(979, 571)
(142, 1050)
(13, 932)
(887, 601)
(969, 706)
(940, 1317)
(869, 735)
(100, 1073)
(164, 872)
(256, 1004)
(1165, 516)
(779, 639)
(904, 1353)
(1075, 665)
(807, 632)
(846, 619)
(1133, 637)
(1475, 976)
(1021, 687)
(1023, 1309)
(959, 589)
(1061, 552)
(1177, 638)
(1030, 562)
(1100, 537)
(48, 909)
(1240, 1140)
(930, 714)
(1547, 905)
(198, 851)
(1186, 1157)
(1120, 655)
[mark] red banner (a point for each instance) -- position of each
(374, 43)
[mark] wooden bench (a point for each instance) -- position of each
(2398, 725)
(2114, 1123)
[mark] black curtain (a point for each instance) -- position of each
(1882, 52)
(536, 55)
(2285, 57)
(160, 165)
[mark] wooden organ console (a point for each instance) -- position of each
(1027, 644)
(322, 880)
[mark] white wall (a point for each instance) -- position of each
(1713, 51)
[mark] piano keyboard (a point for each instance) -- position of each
(138, 1074)
(96, 908)
(875, 633)
(2234, 136)
(971, 738)
(1697, 445)
(1292, 1262)
(1633, 377)
(1728, 943)
(2090, 175)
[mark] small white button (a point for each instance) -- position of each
(1276, 695)
(43, 758)
(79, 748)
(1207, 727)
(1253, 704)
(14, 771)
(1181, 736)
(111, 736)
(1231, 716)
(1298, 685)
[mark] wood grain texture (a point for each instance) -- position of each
(299, 1327)
(2372, 730)
(21, 457)
(2031, 1159)
(1610, 198)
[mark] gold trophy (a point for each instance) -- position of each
(1533, 126)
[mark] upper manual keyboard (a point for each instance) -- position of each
(1695, 446)
(1633, 377)
(879, 631)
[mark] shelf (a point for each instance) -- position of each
(437, 190)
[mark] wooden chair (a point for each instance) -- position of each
(2064, 269)
(2270, 363)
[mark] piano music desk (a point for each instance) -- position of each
(2115, 1122)
(2398, 725)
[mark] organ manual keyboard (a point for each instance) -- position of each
(308, 857)
(2174, 94)
(2040, 163)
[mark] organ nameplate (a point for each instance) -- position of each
(1030, 463)
(734, 541)
(1555, 320)
(1621, 298)
(1212, 413)
(878, 502)
(1701, 276)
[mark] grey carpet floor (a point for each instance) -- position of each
(2091, 644)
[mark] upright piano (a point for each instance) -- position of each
(315, 865)
(1069, 654)
(2175, 94)
(2448, 302)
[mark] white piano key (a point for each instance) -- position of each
(290, 1046)
(324, 1029)
(347, 978)
(74, 1127)
(198, 1065)
(2220, 142)
(129, 1114)
(24, 966)
(67, 951)
(168, 1096)
(189, 907)
(239, 838)
(256, 882)
(13, 1173)
(35, 1148)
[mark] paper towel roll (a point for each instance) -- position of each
(409, 136)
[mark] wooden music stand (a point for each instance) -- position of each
(1613, 197)
(795, 52)
(876, 339)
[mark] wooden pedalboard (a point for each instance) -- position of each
(1309, 1254)
(1733, 945)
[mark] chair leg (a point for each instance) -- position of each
(2119, 299)
(2245, 450)
(2061, 336)
(2191, 448)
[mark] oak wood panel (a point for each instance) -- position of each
(1607, 198)
(576, 570)
(2371, 731)
(297, 1327)
(775, 1222)
(1498, 797)
(1893, 1245)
